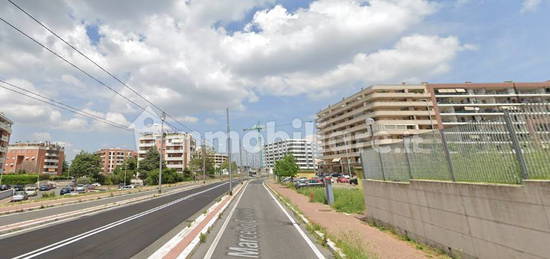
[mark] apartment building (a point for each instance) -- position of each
(458, 104)
(392, 111)
(301, 149)
(5, 132)
(113, 157)
(218, 159)
(35, 157)
(176, 149)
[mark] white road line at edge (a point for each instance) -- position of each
(304, 236)
(76, 238)
(214, 244)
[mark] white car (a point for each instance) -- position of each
(96, 184)
(80, 188)
(19, 196)
(31, 191)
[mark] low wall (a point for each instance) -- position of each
(466, 220)
(6, 194)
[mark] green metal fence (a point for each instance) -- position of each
(515, 145)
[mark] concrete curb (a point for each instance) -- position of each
(331, 245)
(189, 237)
(34, 223)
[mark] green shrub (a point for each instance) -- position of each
(14, 179)
(345, 200)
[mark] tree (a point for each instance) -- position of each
(65, 167)
(169, 175)
(225, 166)
(196, 164)
(151, 161)
(86, 164)
(127, 169)
(286, 167)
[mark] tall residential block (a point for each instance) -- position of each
(391, 111)
(35, 157)
(113, 157)
(176, 150)
(301, 149)
(5, 132)
(383, 114)
(218, 159)
(458, 104)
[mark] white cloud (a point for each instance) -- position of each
(41, 136)
(529, 5)
(176, 54)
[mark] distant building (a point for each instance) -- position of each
(113, 157)
(5, 132)
(35, 157)
(301, 149)
(217, 158)
(176, 150)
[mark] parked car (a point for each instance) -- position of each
(19, 196)
(80, 188)
(286, 180)
(4, 187)
(353, 180)
(342, 179)
(96, 184)
(126, 187)
(65, 190)
(44, 187)
(18, 188)
(31, 191)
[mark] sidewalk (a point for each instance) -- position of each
(340, 225)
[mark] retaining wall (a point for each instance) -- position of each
(465, 219)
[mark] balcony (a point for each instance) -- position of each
(174, 151)
(5, 126)
(50, 166)
(177, 166)
(3, 149)
(5, 138)
(51, 160)
(147, 144)
(179, 158)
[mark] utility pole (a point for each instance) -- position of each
(203, 162)
(125, 167)
(229, 152)
(162, 118)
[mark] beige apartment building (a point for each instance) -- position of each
(458, 104)
(176, 150)
(393, 111)
(217, 158)
(113, 157)
(5, 132)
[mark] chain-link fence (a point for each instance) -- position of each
(512, 146)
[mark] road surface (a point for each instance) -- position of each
(34, 214)
(117, 233)
(259, 227)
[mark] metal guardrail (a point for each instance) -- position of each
(513, 147)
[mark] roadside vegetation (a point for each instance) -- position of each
(345, 200)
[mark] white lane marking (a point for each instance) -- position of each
(76, 238)
(100, 210)
(214, 244)
(304, 236)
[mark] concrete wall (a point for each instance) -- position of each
(465, 219)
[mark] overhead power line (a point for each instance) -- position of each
(60, 105)
(97, 65)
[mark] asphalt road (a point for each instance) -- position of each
(117, 233)
(259, 228)
(34, 214)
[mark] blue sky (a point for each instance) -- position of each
(478, 41)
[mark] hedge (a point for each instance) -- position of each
(13, 179)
